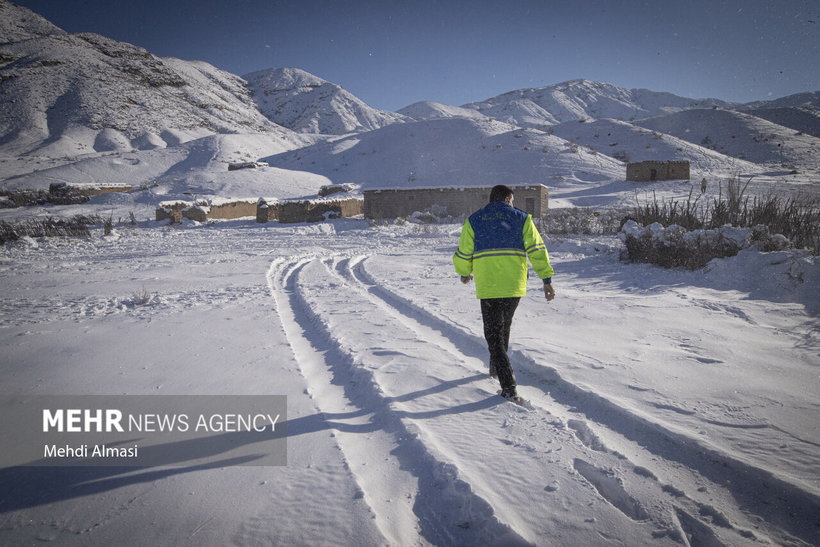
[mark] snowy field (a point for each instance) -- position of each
(670, 407)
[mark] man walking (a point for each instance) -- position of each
(493, 248)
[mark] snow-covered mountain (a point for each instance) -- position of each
(308, 104)
(583, 99)
(450, 151)
(18, 23)
(84, 108)
(69, 94)
(739, 135)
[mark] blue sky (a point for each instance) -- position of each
(392, 54)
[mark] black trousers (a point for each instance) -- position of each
(497, 314)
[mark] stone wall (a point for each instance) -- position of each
(203, 210)
(454, 202)
(235, 209)
(334, 189)
(647, 171)
(63, 188)
(246, 165)
(265, 211)
(172, 211)
(318, 210)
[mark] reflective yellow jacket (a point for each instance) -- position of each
(494, 246)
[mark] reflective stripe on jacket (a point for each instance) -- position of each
(494, 246)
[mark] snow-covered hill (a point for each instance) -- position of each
(628, 142)
(195, 168)
(450, 151)
(802, 119)
(807, 99)
(583, 99)
(740, 135)
(72, 94)
(429, 110)
(308, 104)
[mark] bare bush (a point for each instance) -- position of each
(141, 297)
(580, 220)
(796, 218)
(677, 247)
(49, 227)
(26, 198)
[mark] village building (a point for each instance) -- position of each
(647, 171)
(376, 204)
(453, 202)
(307, 210)
(206, 209)
(263, 209)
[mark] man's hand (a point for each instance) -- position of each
(466, 278)
(549, 292)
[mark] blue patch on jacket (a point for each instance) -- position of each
(498, 226)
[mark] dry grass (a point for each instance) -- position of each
(797, 218)
(49, 227)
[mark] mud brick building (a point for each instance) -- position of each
(395, 202)
(647, 171)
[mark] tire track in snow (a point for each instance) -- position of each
(410, 492)
(601, 480)
(599, 476)
(789, 513)
(333, 404)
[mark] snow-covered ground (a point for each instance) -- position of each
(670, 407)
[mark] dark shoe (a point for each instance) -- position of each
(513, 397)
(510, 393)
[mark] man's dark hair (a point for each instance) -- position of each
(500, 192)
